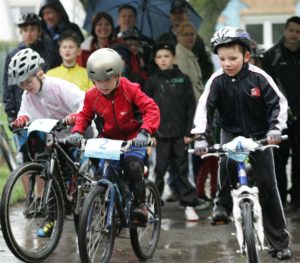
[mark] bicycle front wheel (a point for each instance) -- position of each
(23, 213)
(249, 236)
(95, 237)
(144, 240)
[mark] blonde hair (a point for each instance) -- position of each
(183, 25)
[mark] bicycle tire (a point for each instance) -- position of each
(95, 241)
(249, 236)
(20, 219)
(144, 240)
(7, 154)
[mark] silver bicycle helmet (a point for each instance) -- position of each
(228, 35)
(29, 19)
(103, 64)
(23, 64)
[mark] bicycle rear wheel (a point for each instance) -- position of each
(7, 154)
(144, 240)
(249, 236)
(95, 238)
(22, 213)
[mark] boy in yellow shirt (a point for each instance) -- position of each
(69, 49)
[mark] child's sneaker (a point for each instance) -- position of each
(46, 229)
(190, 214)
(140, 215)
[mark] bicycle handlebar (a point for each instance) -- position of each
(126, 144)
(217, 150)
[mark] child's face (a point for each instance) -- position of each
(232, 59)
(69, 51)
(107, 86)
(164, 59)
(32, 84)
(30, 34)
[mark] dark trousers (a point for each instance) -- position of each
(264, 175)
(174, 147)
(281, 156)
(294, 141)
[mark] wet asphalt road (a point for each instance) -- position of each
(179, 242)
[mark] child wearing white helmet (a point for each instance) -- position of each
(44, 96)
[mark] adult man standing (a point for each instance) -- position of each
(282, 62)
(178, 15)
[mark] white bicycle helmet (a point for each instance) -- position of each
(228, 35)
(23, 64)
(103, 64)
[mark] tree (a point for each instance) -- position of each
(209, 11)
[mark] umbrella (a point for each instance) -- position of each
(153, 15)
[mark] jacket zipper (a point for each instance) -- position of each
(116, 121)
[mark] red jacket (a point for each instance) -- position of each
(118, 113)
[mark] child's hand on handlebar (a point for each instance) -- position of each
(20, 122)
(200, 147)
(70, 119)
(274, 136)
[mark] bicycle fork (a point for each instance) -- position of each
(239, 196)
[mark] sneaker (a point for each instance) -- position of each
(172, 197)
(283, 254)
(46, 229)
(140, 215)
(190, 214)
(219, 216)
(202, 204)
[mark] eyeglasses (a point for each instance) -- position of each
(26, 83)
(188, 34)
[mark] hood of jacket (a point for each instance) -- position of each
(56, 4)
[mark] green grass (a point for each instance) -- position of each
(18, 191)
(4, 171)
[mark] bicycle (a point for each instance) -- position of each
(7, 149)
(39, 191)
(247, 214)
(108, 207)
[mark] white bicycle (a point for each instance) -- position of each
(247, 214)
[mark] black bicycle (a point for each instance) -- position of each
(108, 208)
(44, 190)
(6, 148)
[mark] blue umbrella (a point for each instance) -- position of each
(153, 15)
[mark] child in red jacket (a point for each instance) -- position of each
(125, 112)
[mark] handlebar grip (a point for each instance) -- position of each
(142, 143)
(265, 140)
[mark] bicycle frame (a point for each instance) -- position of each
(114, 195)
(52, 162)
(245, 193)
(118, 192)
